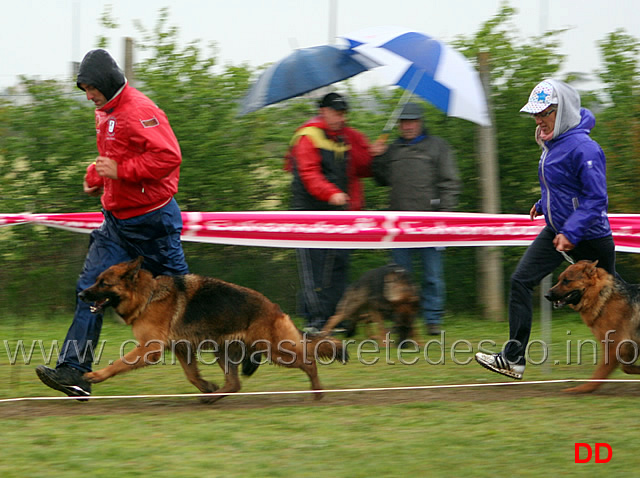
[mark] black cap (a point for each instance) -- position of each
(411, 111)
(335, 101)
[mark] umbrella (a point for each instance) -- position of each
(427, 67)
(304, 70)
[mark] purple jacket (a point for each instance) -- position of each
(572, 173)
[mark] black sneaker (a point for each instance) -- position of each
(65, 379)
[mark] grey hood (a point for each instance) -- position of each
(568, 114)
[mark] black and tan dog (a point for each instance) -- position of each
(190, 312)
(386, 292)
(610, 308)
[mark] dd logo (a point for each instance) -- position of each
(598, 456)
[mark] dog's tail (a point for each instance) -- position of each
(326, 347)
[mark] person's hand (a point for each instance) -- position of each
(339, 199)
(91, 191)
(379, 146)
(106, 167)
(534, 213)
(562, 244)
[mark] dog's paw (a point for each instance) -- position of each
(210, 387)
(210, 400)
(93, 377)
(586, 388)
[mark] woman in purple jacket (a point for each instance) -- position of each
(572, 173)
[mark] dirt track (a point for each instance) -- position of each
(64, 408)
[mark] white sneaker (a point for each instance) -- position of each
(497, 363)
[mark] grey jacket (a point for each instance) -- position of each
(423, 175)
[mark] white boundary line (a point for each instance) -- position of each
(344, 390)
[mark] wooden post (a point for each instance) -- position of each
(128, 59)
(490, 281)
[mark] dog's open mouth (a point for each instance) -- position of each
(572, 298)
(98, 305)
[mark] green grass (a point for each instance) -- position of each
(523, 430)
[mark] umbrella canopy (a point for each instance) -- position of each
(304, 70)
(427, 67)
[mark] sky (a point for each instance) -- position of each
(40, 38)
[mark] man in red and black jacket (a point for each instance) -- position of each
(327, 160)
(136, 173)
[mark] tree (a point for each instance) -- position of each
(233, 163)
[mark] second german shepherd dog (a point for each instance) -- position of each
(187, 312)
(610, 308)
(384, 292)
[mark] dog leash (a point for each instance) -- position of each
(567, 257)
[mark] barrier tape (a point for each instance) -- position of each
(341, 390)
(349, 230)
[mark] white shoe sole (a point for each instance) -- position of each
(501, 371)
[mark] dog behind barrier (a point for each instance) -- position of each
(386, 292)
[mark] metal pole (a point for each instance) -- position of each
(545, 285)
(545, 322)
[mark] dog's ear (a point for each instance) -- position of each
(134, 268)
(591, 268)
(138, 262)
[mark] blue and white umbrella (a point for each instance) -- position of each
(302, 71)
(426, 67)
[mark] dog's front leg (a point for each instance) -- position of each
(378, 320)
(607, 365)
(141, 356)
(331, 323)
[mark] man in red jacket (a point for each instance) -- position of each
(327, 160)
(136, 173)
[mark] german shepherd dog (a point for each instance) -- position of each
(384, 292)
(610, 308)
(186, 312)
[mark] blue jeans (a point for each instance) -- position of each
(323, 278)
(539, 260)
(155, 235)
(433, 288)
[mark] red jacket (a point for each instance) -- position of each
(308, 163)
(134, 132)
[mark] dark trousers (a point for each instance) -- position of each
(155, 236)
(323, 279)
(539, 260)
(432, 297)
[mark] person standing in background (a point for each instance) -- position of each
(423, 175)
(327, 158)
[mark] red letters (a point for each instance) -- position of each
(609, 453)
(583, 445)
(598, 458)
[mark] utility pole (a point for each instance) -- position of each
(75, 39)
(333, 16)
(490, 283)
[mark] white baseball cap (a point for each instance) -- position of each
(542, 96)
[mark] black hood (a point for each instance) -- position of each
(101, 71)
